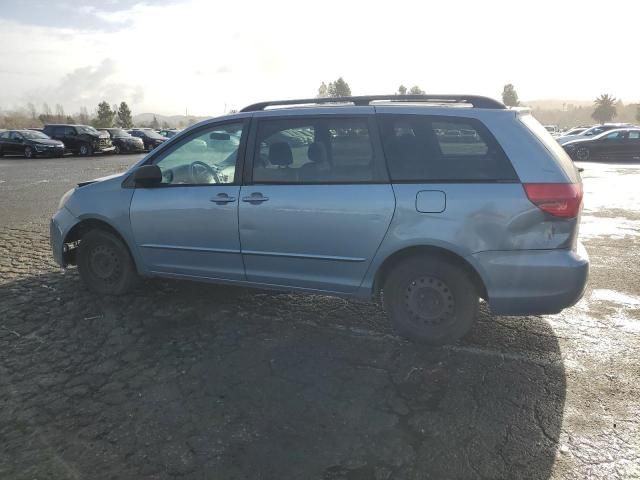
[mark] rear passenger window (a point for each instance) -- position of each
(438, 148)
(315, 150)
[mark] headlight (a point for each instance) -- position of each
(65, 197)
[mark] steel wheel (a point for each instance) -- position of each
(104, 263)
(429, 301)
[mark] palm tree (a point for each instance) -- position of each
(605, 108)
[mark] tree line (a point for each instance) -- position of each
(605, 108)
(105, 116)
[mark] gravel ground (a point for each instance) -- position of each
(181, 380)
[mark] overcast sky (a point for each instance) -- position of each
(202, 55)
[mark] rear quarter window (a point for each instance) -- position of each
(550, 143)
(427, 148)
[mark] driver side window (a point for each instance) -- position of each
(207, 157)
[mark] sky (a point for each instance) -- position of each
(205, 57)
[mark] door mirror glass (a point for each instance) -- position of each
(147, 176)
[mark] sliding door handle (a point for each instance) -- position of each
(255, 198)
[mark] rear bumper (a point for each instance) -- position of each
(533, 282)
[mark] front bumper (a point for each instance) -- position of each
(102, 149)
(50, 151)
(533, 282)
(59, 226)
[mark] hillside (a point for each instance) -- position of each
(173, 121)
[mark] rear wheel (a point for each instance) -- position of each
(28, 152)
(583, 154)
(86, 150)
(430, 300)
(104, 263)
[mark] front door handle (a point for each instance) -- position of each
(255, 198)
(223, 198)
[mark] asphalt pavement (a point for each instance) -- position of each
(180, 380)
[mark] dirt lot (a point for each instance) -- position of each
(191, 381)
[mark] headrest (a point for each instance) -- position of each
(280, 154)
(317, 152)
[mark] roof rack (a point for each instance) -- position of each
(475, 101)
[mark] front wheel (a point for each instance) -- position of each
(86, 150)
(116, 150)
(430, 300)
(105, 265)
(28, 152)
(583, 154)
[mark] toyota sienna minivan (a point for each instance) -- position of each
(364, 197)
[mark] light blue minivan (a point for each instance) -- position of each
(427, 202)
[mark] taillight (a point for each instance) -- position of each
(558, 199)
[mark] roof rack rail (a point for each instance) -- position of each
(475, 101)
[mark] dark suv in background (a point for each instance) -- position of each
(123, 141)
(80, 139)
(150, 137)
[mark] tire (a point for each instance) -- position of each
(105, 265)
(117, 150)
(28, 152)
(583, 154)
(86, 150)
(430, 300)
(1, 153)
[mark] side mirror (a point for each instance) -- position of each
(147, 176)
(219, 136)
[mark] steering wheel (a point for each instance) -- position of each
(198, 168)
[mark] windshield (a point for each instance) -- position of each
(33, 135)
(575, 131)
(605, 134)
(87, 129)
(118, 132)
(153, 134)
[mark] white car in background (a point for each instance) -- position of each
(589, 132)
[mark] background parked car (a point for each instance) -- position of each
(124, 142)
(592, 131)
(620, 144)
(149, 137)
(169, 132)
(573, 131)
(80, 139)
(29, 143)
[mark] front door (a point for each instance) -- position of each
(317, 205)
(188, 226)
(612, 146)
